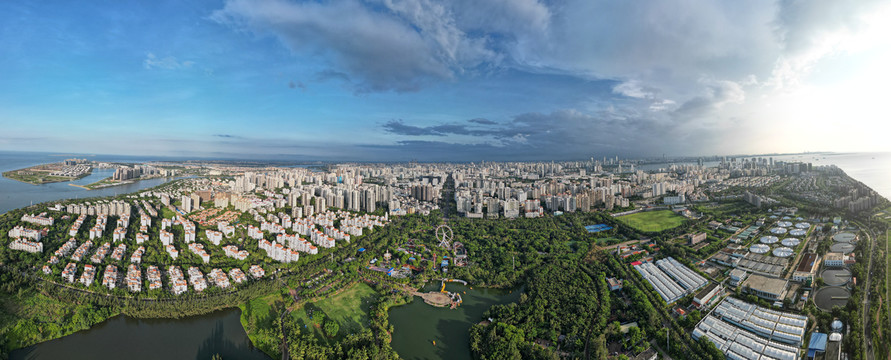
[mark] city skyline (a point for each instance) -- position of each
(439, 81)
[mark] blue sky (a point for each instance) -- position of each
(442, 80)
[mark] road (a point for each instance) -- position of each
(867, 345)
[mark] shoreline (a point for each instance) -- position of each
(60, 179)
(109, 185)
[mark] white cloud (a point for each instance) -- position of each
(167, 63)
(632, 88)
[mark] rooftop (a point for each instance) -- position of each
(766, 284)
(808, 262)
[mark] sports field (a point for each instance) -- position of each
(652, 221)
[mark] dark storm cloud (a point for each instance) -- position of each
(482, 121)
(564, 134)
(398, 127)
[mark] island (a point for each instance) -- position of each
(67, 170)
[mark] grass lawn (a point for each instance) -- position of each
(652, 221)
(167, 213)
(349, 309)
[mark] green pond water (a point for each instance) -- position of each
(417, 324)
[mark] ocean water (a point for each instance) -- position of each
(872, 169)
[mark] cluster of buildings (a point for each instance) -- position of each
(279, 252)
(136, 171)
(73, 170)
(113, 207)
(82, 251)
(97, 230)
(100, 253)
(86, 278)
(75, 227)
(154, 277)
(62, 251)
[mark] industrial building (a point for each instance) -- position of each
(707, 295)
(772, 289)
(807, 268)
(671, 279)
(737, 276)
(746, 331)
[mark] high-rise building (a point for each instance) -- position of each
(186, 204)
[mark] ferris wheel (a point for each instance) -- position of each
(445, 235)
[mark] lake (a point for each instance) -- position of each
(121, 337)
(417, 324)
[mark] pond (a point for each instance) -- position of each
(417, 325)
(121, 337)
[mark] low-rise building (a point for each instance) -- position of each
(807, 268)
(696, 238)
(736, 277)
(110, 278)
(237, 275)
(69, 272)
(154, 277)
(707, 295)
(27, 246)
(178, 284)
(88, 275)
(614, 284)
(768, 288)
(256, 271)
(134, 278)
(196, 278)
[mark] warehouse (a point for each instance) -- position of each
(746, 331)
(671, 279)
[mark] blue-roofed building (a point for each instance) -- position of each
(817, 345)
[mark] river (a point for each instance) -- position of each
(15, 194)
(121, 337)
(417, 324)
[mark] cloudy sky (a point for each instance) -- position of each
(444, 80)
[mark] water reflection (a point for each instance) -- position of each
(121, 337)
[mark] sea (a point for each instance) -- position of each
(873, 169)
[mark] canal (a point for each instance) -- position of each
(121, 337)
(417, 325)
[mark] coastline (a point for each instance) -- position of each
(94, 185)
